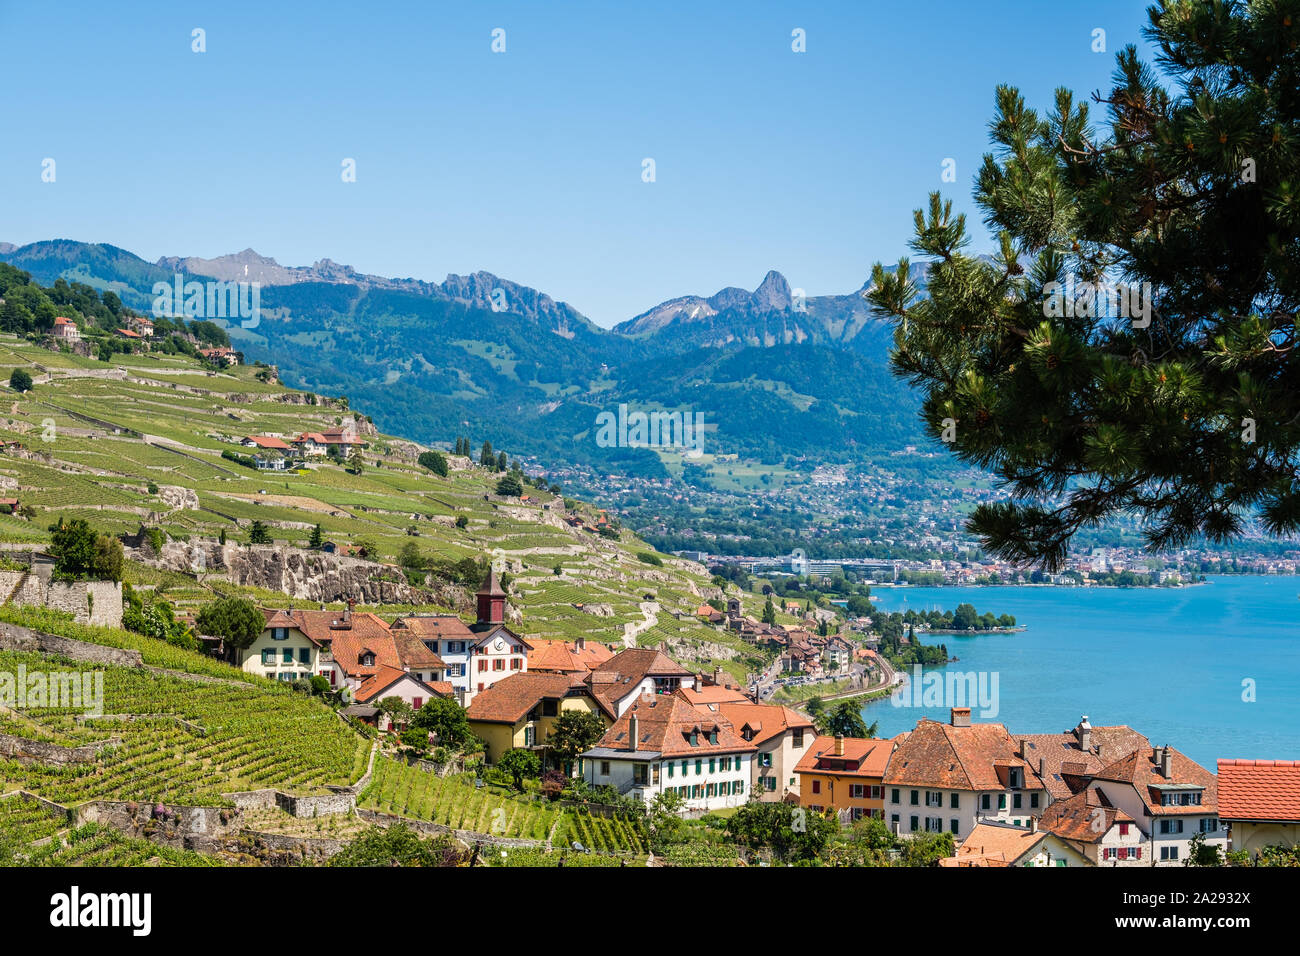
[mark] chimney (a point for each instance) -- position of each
(718, 677)
(1166, 762)
(839, 745)
(580, 644)
(633, 732)
(961, 717)
(1084, 733)
(347, 615)
(1033, 824)
(1024, 748)
(1042, 768)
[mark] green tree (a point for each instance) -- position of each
(435, 461)
(80, 552)
(397, 710)
(237, 621)
(317, 538)
(501, 462)
(397, 845)
(356, 463)
(926, 849)
(574, 732)
(486, 458)
(258, 533)
(769, 612)
(845, 720)
(519, 763)
(20, 380)
(965, 617)
(1176, 402)
(445, 718)
(509, 485)
(791, 833)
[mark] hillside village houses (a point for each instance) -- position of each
(1089, 796)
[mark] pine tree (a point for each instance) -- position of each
(769, 612)
(317, 538)
(1087, 403)
(486, 458)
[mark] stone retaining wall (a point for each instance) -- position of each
(38, 751)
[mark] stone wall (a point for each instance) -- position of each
(90, 602)
(16, 638)
(38, 751)
(425, 828)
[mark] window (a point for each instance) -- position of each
(796, 738)
(417, 703)
(604, 768)
(550, 708)
(516, 663)
(893, 819)
(530, 735)
(1169, 853)
(699, 767)
(933, 825)
(952, 826)
(288, 655)
(985, 802)
(765, 760)
(498, 663)
(279, 633)
(1171, 826)
(639, 775)
(893, 795)
(916, 824)
(268, 657)
(712, 765)
(455, 670)
(304, 655)
(916, 800)
(954, 803)
(1033, 800)
(933, 799)
(1002, 801)
(1123, 829)
(816, 786)
(1015, 801)
(857, 791)
(670, 769)
(1209, 825)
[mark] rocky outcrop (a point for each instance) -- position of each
(185, 499)
(306, 575)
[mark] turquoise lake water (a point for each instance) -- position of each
(1169, 662)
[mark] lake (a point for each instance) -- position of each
(1169, 662)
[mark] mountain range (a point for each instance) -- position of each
(774, 374)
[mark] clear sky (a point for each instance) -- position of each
(526, 163)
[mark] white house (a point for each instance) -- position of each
(1172, 798)
(661, 744)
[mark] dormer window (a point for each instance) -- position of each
(367, 659)
(1016, 777)
(713, 736)
(693, 738)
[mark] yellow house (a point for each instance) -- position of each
(844, 774)
(521, 710)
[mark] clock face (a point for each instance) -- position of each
(500, 645)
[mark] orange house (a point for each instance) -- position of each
(844, 774)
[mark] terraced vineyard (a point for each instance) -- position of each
(96, 845)
(247, 737)
(103, 440)
(455, 802)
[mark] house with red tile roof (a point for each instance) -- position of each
(951, 777)
(1065, 762)
(1102, 833)
(660, 743)
(1171, 796)
(844, 775)
(998, 844)
(267, 442)
(356, 651)
(65, 329)
(629, 674)
(1260, 801)
(578, 656)
(521, 710)
(783, 736)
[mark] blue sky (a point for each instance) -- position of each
(525, 163)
